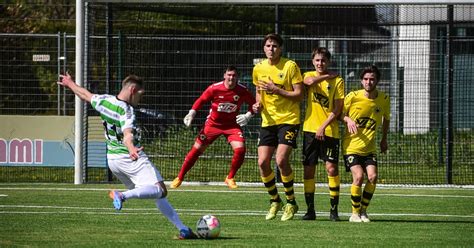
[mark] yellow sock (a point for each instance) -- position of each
(309, 189)
(334, 188)
(309, 185)
(369, 190)
(269, 182)
(355, 198)
(288, 184)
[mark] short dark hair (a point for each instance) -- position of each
(132, 79)
(230, 68)
(371, 69)
(275, 37)
(323, 51)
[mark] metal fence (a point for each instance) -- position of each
(425, 52)
(29, 66)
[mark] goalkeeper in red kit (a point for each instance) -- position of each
(226, 98)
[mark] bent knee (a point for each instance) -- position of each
(332, 171)
(372, 178)
(263, 163)
(282, 161)
(358, 178)
(162, 188)
(240, 150)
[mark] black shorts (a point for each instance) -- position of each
(327, 149)
(354, 159)
(278, 134)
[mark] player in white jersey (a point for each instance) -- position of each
(125, 155)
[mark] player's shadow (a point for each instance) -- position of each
(220, 237)
(422, 221)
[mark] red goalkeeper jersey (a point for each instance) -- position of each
(225, 103)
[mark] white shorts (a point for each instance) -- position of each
(135, 174)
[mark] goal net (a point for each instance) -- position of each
(179, 49)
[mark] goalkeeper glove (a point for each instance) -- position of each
(189, 117)
(243, 119)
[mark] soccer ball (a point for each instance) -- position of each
(208, 227)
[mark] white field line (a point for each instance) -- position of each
(226, 191)
(152, 211)
(297, 185)
(3, 195)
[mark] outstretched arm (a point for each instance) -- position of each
(204, 98)
(83, 93)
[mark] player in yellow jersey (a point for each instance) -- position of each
(279, 91)
(364, 111)
(325, 101)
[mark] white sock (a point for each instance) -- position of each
(165, 207)
(144, 192)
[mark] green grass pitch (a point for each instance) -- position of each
(65, 215)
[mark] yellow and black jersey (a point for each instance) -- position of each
(368, 114)
(278, 109)
(320, 103)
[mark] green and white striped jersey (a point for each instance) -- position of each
(116, 116)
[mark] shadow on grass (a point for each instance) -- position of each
(221, 238)
(422, 221)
